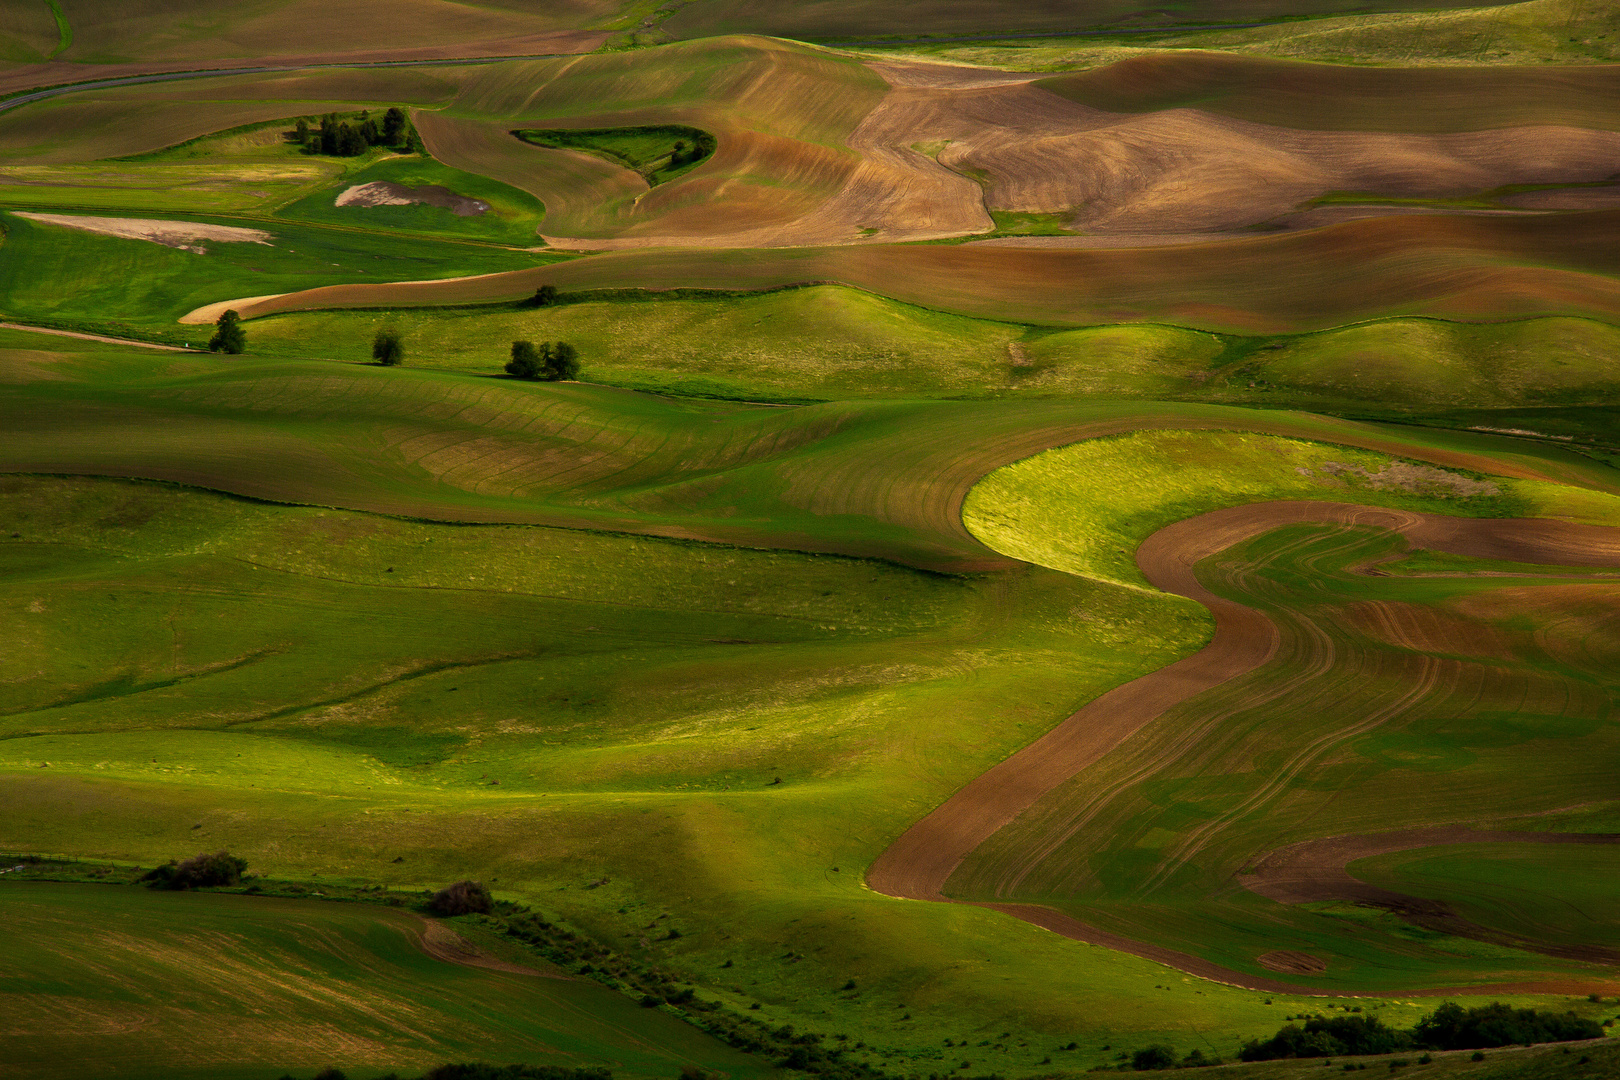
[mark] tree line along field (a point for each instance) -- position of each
(845, 516)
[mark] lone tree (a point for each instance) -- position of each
(229, 337)
(544, 296)
(462, 898)
(527, 362)
(387, 348)
(301, 131)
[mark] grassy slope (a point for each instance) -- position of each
(1533, 32)
(106, 32)
(93, 125)
(832, 342)
(634, 699)
(1460, 268)
(1506, 885)
(345, 984)
(513, 217)
(54, 272)
(781, 112)
(827, 477)
(1174, 820)
(1325, 97)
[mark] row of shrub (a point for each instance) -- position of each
(1450, 1027)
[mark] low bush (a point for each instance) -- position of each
(202, 871)
(462, 898)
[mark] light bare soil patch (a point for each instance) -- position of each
(185, 235)
(920, 862)
(388, 193)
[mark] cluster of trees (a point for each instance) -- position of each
(1450, 1027)
(202, 871)
(337, 137)
(551, 362)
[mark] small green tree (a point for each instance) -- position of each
(301, 131)
(413, 144)
(229, 337)
(527, 362)
(544, 296)
(387, 348)
(562, 362)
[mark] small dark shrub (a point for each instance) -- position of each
(1153, 1057)
(1478, 1055)
(203, 871)
(331, 1072)
(462, 898)
(544, 296)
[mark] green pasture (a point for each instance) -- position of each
(58, 274)
(595, 724)
(1558, 893)
(648, 151)
(1532, 32)
(112, 980)
(832, 342)
(513, 217)
(445, 445)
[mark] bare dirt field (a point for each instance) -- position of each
(185, 235)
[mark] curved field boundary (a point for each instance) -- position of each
(1464, 268)
(920, 862)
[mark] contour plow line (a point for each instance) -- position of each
(920, 862)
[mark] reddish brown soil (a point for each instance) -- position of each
(1290, 962)
(918, 864)
(443, 943)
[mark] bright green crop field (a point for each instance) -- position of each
(312, 983)
(670, 654)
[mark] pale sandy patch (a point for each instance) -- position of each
(186, 235)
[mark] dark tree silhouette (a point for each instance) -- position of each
(229, 337)
(527, 362)
(544, 296)
(393, 126)
(563, 362)
(387, 348)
